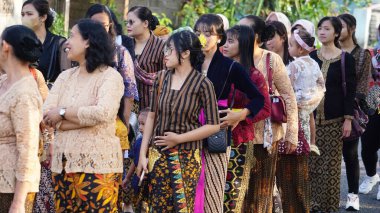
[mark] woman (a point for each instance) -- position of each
(279, 43)
(148, 50)
(333, 119)
(349, 44)
(20, 106)
(37, 15)
(222, 72)
(309, 86)
(261, 184)
(179, 93)
(82, 106)
(239, 46)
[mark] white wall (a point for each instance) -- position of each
(14, 17)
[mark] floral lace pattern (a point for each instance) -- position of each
(94, 148)
(20, 115)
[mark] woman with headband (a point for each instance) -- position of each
(309, 86)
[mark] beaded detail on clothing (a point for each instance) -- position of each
(20, 116)
(94, 148)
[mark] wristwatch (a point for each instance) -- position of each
(62, 112)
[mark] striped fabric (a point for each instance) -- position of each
(198, 92)
(150, 60)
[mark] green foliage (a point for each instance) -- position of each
(164, 20)
(234, 10)
(58, 26)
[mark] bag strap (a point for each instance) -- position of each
(343, 70)
(225, 82)
(269, 73)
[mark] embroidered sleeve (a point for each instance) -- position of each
(108, 101)
(209, 103)
(284, 87)
(258, 79)
(126, 69)
(26, 117)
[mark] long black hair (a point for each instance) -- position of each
(246, 39)
(263, 31)
(337, 25)
(101, 48)
(43, 8)
(211, 23)
(187, 40)
(350, 21)
(281, 31)
(99, 8)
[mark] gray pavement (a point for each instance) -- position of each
(368, 202)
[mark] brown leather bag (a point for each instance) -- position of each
(278, 107)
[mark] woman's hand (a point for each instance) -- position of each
(52, 117)
(232, 118)
(169, 140)
(347, 127)
(17, 207)
(142, 166)
(290, 148)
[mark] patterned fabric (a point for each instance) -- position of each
(282, 86)
(259, 197)
(7, 198)
(293, 182)
(216, 173)
(325, 169)
(363, 68)
(95, 148)
(239, 167)
(20, 116)
(83, 192)
(44, 202)
(173, 180)
(373, 98)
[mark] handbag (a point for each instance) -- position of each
(278, 107)
(303, 147)
(360, 120)
(217, 143)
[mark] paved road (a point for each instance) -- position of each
(368, 202)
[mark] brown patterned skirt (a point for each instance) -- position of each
(259, 197)
(7, 198)
(293, 183)
(325, 169)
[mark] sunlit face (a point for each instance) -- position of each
(294, 48)
(231, 47)
(344, 34)
(170, 56)
(76, 45)
(276, 44)
(103, 19)
(135, 26)
(212, 38)
(326, 32)
(30, 17)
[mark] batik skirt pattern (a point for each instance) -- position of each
(7, 198)
(172, 180)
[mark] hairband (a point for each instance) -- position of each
(301, 42)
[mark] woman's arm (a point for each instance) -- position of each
(19, 198)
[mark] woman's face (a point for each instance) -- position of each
(136, 26)
(30, 17)
(212, 39)
(276, 44)
(103, 19)
(231, 47)
(76, 45)
(170, 56)
(326, 32)
(344, 34)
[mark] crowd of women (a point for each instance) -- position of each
(251, 118)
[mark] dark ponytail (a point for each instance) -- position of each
(263, 31)
(43, 8)
(144, 14)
